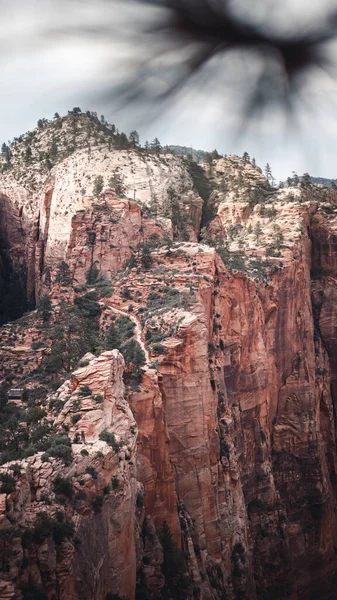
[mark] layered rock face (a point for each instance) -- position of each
(38, 203)
(107, 235)
(99, 557)
(226, 431)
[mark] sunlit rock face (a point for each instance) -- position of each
(227, 432)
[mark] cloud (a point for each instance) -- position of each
(58, 55)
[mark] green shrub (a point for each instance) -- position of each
(63, 487)
(38, 345)
(88, 305)
(45, 498)
(109, 438)
(115, 483)
(63, 529)
(97, 504)
(174, 570)
(34, 414)
(134, 354)
(75, 418)
(58, 446)
(98, 398)
(98, 185)
(159, 348)
(16, 468)
(126, 294)
(63, 274)
(91, 471)
(105, 291)
(7, 483)
(84, 363)
(80, 496)
(60, 529)
(85, 390)
(140, 500)
(84, 452)
(92, 275)
(146, 258)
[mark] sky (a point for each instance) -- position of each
(54, 56)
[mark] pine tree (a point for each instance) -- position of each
(177, 582)
(63, 274)
(113, 338)
(146, 258)
(45, 308)
(28, 154)
(76, 111)
(269, 175)
(6, 152)
(98, 185)
(306, 180)
(134, 139)
(295, 179)
(279, 239)
(53, 150)
(122, 141)
(257, 231)
(92, 275)
(245, 157)
(116, 182)
(156, 146)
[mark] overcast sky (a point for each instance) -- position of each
(42, 74)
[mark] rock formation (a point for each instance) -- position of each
(203, 464)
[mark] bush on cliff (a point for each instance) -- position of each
(98, 185)
(63, 275)
(76, 332)
(58, 446)
(177, 581)
(118, 333)
(92, 275)
(45, 308)
(63, 487)
(133, 354)
(59, 529)
(7, 483)
(109, 438)
(88, 305)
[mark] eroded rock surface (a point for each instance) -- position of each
(225, 430)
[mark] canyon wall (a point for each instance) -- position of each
(227, 434)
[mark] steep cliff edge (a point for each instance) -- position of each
(229, 449)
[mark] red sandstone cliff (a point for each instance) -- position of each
(235, 408)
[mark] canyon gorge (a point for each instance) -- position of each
(172, 330)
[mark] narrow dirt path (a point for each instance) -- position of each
(138, 329)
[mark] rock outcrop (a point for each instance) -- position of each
(71, 529)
